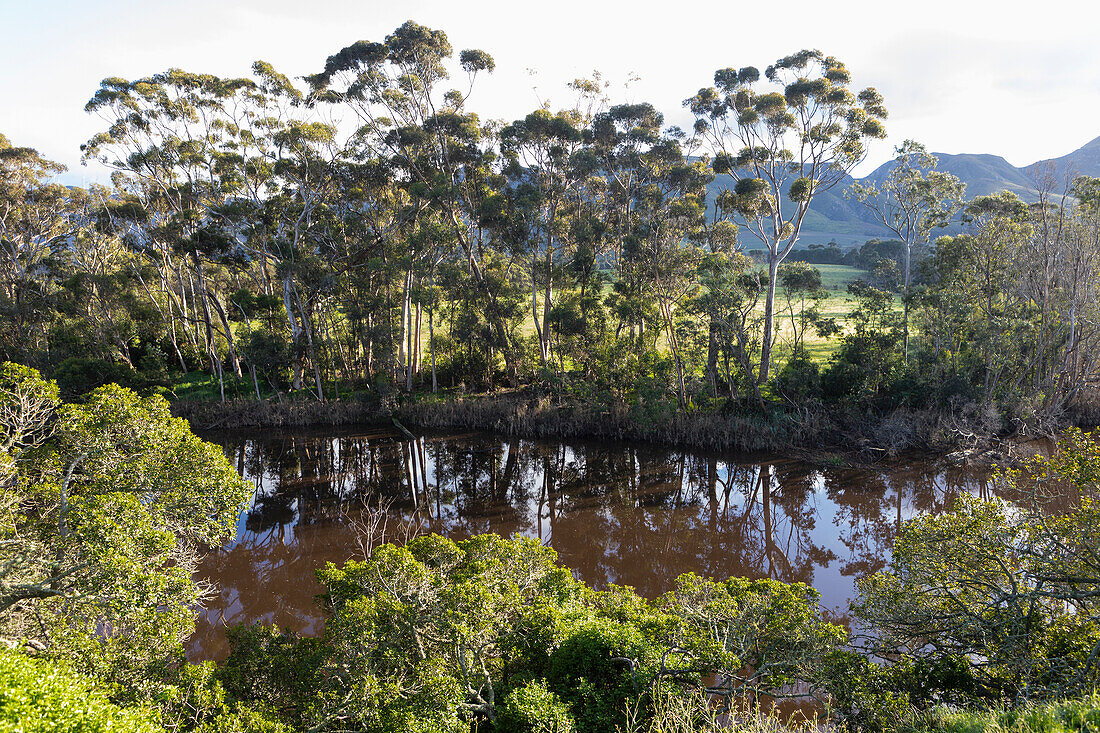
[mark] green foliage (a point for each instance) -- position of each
(760, 635)
(576, 252)
(1008, 589)
(274, 671)
(862, 694)
(37, 696)
(76, 376)
(198, 702)
(440, 635)
(105, 503)
(598, 668)
(870, 355)
(533, 708)
(799, 380)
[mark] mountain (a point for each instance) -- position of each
(1085, 161)
(983, 174)
(832, 217)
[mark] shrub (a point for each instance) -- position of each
(77, 376)
(533, 708)
(595, 670)
(38, 696)
(799, 380)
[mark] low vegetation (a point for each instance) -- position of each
(990, 607)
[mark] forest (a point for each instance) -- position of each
(361, 236)
(365, 235)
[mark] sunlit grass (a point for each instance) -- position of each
(838, 305)
(1067, 716)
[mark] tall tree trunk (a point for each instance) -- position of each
(234, 361)
(493, 314)
(431, 346)
(547, 299)
(296, 336)
(308, 327)
(767, 338)
(255, 382)
(674, 346)
(403, 356)
(905, 304)
(211, 349)
(535, 306)
(417, 349)
(712, 357)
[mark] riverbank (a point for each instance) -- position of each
(809, 429)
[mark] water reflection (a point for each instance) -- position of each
(631, 514)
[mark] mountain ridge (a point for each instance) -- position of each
(832, 217)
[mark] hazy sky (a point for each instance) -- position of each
(1022, 81)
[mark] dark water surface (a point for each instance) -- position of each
(631, 514)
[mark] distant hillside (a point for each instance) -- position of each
(1085, 161)
(983, 174)
(832, 217)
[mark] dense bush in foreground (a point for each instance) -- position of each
(440, 635)
(38, 696)
(992, 606)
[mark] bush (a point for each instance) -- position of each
(274, 670)
(200, 704)
(533, 708)
(77, 376)
(37, 696)
(799, 380)
(594, 671)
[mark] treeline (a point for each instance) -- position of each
(366, 232)
(865, 256)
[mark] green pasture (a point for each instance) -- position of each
(834, 278)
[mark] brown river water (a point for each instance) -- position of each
(631, 514)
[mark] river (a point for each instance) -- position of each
(630, 514)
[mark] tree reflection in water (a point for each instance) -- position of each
(620, 513)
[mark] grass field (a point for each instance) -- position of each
(1068, 716)
(834, 278)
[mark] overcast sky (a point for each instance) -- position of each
(1018, 81)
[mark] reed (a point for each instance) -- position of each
(809, 428)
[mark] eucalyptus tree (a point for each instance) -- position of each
(617, 143)
(539, 150)
(671, 211)
(912, 201)
(35, 219)
(167, 141)
(802, 294)
(1058, 274)
(793, 139)
(376, 219)
(103, 280)
(1080, 286)
(396, 90)
(289, 161)
(730, 302)
(974, 307)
